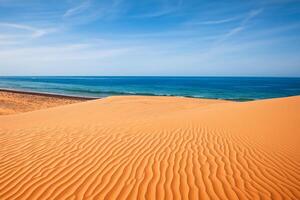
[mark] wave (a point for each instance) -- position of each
(113, 92)
(102, 93)
(76, 92)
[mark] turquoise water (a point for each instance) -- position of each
(232, 88)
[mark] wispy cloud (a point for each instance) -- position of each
(117, 38)
(242, 26)
(77, 9)
(158, 13)
(34, 32)
(90, 11)
(252, 14)
(60, 58)
(215, 22)
(233, 32)
(165, 8)
(62, 52)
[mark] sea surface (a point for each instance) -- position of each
(231, 88)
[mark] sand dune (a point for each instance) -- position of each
(153, 148)
(13, 102)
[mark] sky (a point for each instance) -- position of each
(150, 37)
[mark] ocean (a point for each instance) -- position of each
(230, 88)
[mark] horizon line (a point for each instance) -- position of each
(166, 76)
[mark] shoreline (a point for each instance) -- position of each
(238, 89)
(94, 98)
(74, 97)
(85, 98)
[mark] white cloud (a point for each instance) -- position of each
(252, 14)
(241, 27)
(34, 32)
(158, 13)
(26, 49)
(77, 9)
(166, 8)
(215, 22)
(89, 11)
(59, 54)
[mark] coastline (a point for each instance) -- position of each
(84, 98)
(129, 94)
(238, 89)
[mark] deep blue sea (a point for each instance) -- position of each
(232, 88)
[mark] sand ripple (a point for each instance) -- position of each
(153, 148)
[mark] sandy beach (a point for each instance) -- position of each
(138, 147)
(13, 102)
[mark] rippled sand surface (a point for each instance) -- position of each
(153, 148)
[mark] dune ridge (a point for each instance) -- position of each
(136, 147)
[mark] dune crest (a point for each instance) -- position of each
(153, 148)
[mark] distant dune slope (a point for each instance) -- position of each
(153, 148)
(13, 102)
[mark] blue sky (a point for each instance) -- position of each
(143, 37)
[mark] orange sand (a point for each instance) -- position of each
(17, 102)
(153, 148)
